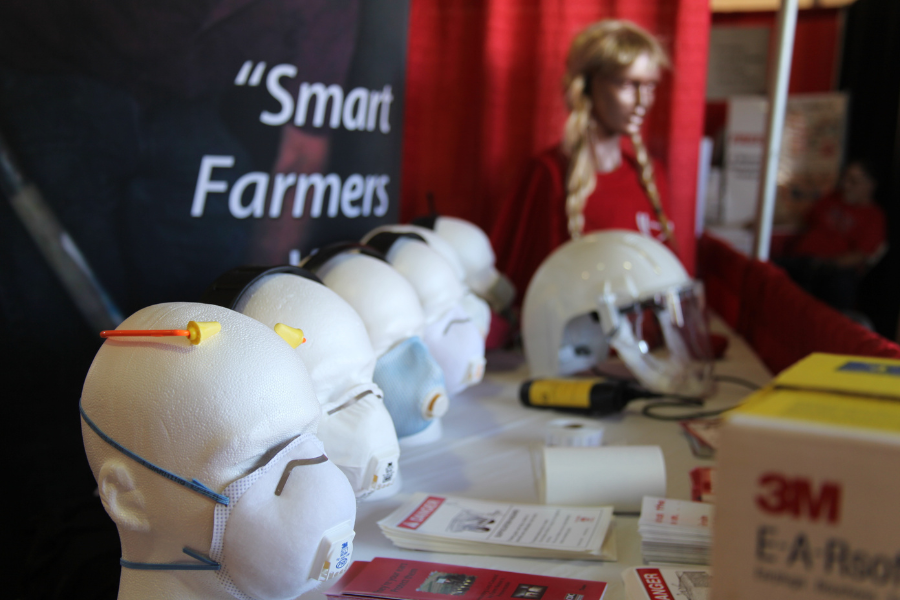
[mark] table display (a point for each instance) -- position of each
(485, 453)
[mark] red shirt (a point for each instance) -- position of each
(533, 221)
(835, 228)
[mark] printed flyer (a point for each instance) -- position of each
(451, 524)
(396, 579)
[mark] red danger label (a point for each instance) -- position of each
(421, 514)
(654, 584)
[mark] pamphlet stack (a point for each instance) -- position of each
(461, 525)
(675, 531)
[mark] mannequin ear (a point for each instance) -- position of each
(122, 501)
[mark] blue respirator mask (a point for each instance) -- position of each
(413, 386)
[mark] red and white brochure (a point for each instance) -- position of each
(667, 583)
(453, 524)
(398, 579)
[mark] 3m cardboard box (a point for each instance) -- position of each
(808, 499)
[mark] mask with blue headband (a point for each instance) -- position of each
(237, 412)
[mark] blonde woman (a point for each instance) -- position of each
(599, 176)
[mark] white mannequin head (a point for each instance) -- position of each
(386, 302)
(214, 412)
(413, 383)
(451, 334)
(472, 302)
(356, 428)
(476, 254)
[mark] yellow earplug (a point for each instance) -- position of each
(291, 335)
(202, 330)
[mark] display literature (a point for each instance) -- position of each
(397, 579)
(461, 525)
(675, 531)
(667, 583)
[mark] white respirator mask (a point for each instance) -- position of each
(356, 428)
(458, 348)
(361, 433)
(275, 535)
(451, 336)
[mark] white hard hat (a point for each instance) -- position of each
(595, 291)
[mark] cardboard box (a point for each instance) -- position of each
(808, 486)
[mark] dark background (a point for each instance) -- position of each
(58, 541)
(870, 72)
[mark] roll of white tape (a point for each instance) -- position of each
(573, 432)
(619, 476)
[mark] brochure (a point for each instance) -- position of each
(462, 525)
(398, 579)
(669, 583)
(675, 531)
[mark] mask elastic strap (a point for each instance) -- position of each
(193, 485)
(206, 564)
(353, 401)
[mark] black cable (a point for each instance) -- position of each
(649, 410)
(736, 380)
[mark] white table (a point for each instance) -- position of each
(484, 453)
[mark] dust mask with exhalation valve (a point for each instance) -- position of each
(450, 333)
(413, 384)
(356, 428)
(204, 436)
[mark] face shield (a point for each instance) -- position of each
(618, 294)
(662, 338)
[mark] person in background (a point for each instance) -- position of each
(599, 176)
(844, 233)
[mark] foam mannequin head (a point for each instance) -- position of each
(476, 307)
(214, 412)
(433, 239)
(356, 428)
(382, 297)
(437, 285)
(451, 334)
(413, 385)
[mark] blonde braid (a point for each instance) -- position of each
(648, 181)
(580, 178)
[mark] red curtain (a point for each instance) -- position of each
(483, 95)
(780, 321)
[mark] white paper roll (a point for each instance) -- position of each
(573, 432)
(611, 475)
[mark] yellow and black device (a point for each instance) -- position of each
(595, 396)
